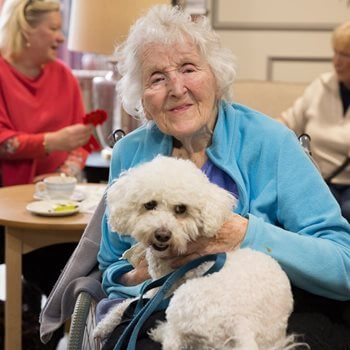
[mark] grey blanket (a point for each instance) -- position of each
(79, 274)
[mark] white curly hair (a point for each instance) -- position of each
(167, 25)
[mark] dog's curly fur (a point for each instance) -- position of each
(168, 202)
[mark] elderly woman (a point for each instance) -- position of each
(41, 117)
(176, 75)
(323, 113)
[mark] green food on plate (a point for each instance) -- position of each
(65, 207)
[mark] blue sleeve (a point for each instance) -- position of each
(312, 243)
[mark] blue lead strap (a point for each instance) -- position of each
(159, 301)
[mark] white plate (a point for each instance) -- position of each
(77, 196)
(49, 207)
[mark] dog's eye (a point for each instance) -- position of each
(180, 208)
(150, 205)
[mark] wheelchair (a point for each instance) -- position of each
(77, 291)
(80, 282)
(82, 324)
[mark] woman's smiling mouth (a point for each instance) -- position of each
(180, 108)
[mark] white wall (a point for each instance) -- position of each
(283, 40)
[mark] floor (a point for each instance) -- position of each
(63, 343)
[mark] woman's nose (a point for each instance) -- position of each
(337, 61)
(176, 84)
(60, 37)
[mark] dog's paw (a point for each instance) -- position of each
(108, 323)
(167, 336)
(157, 333)
(106, 326)
(102, 330)
(111, 320)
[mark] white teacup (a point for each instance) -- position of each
(57, 187)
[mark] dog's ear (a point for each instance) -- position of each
(217, 209)
(118, 204)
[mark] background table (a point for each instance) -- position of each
(25, 232)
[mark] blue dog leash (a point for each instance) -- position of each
(168, 280)
(159, 301)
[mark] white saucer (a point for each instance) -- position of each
(77, 196)
(52, 207)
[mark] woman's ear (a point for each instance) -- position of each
(147, 115)
(25, 35)
(218, 92)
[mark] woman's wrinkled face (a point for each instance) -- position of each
(179, 89)
(341, 62)
(46, 37)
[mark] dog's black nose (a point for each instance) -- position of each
(162, 235)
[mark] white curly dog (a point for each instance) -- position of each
(168, 202)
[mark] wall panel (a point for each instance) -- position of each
(271, 38)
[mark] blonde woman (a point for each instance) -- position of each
(41, 118)
(41, 110)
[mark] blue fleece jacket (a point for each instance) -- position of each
(292, 215)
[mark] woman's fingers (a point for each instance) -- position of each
(229, 236)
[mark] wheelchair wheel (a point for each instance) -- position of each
(82, 324)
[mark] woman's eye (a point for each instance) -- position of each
(150, 205)
(188, 69)
(180, 209)
(157, 80)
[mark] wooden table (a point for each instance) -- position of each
(25, 232)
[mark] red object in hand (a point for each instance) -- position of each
(97, 117)
(92, 145)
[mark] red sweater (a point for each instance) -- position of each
(28, 109)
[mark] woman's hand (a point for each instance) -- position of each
(136, 276)
(68, 138)
(42, 177)
(229, 237)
